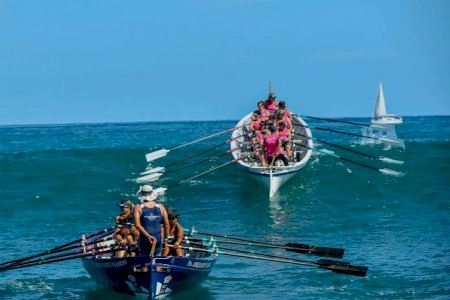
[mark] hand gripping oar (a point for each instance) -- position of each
(292, 247)
(163, 152)
(384, 140)
(380, 158)
(384, 171)
(52, 250)
(332, 265)
(54, 260)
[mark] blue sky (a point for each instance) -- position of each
(150, 60)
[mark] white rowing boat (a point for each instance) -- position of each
(275, 177)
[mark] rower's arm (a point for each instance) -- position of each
(165, 222)
(180, 234)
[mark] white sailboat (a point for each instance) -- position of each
(382, 123)
(380, 115)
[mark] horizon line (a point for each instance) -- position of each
(182, 121)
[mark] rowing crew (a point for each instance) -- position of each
(271, 129)
(148, 227)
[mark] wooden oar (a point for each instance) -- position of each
(163, 152)
(385, 140)
(380, 158)
(55, 249)
(332, 265)
(384, 171)
(54, 260)
(293, 247)
(290, 247)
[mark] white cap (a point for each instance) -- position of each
(147, 193)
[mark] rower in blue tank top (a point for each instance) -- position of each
(148, 218)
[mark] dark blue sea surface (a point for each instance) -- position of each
(59, 181)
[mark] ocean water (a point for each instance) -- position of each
(59, 181)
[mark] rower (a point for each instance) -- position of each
(133, 239)
(149, 216)
(286, 114)
(256, 121)
(176, 235)
(121, 235)
(126, 214)
(271, 103)
(272, 147)
(263, 113)
(285, 137)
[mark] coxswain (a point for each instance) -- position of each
(271, 103)
(149, 216)
(176, 235)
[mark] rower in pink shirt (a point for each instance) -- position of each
(286, 138)
(263, 112)
(271, 103)
(272, 147)
(256, 121)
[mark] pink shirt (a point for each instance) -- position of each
(264, 115)
(272, 107)
(284, 134)
(271, 145)
(260, 135)
(256, 125)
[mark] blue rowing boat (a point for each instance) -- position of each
(165, 275)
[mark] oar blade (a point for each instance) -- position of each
(161, 191)
(342, 267)
(156, 154)
(396, 143)
(315, 250)
(153, 170)
(391, 172)
(149, 178)
(391, 160)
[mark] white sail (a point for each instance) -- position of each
(380, 106)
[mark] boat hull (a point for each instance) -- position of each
(165, 275)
